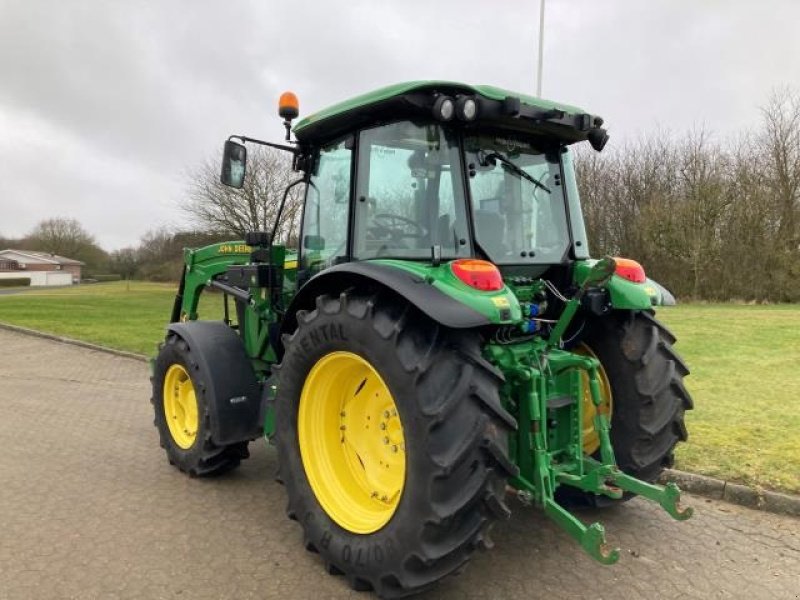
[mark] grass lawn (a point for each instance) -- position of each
(745, 363)
(745, 380)
(119, 315)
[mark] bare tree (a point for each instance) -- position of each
(216, 207)
(780, 142)
(67, 237)
(124, 262)
(60, 236)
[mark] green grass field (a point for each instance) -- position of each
(744, 359)
(745, 380)
(119, 315)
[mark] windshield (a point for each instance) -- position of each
(517, 200)
(409, 193)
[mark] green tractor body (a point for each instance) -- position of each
(440, 338)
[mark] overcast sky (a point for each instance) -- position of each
(105, 106)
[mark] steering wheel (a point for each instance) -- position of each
(399, 226)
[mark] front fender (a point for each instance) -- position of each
(233, 395)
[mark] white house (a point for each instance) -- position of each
(42, 268)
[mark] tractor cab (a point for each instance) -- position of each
(437, 171)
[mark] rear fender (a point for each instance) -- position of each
(428, 296)
(628, 295)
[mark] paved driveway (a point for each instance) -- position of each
(89, 508)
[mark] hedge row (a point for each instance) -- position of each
(15, 282)
(104, 278)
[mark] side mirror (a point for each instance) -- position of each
(234, 164)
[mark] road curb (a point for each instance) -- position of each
(735, 493)
(66, 340)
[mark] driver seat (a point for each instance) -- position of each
(490, 230)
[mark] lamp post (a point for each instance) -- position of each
(541, 49)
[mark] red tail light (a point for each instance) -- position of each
(630, 270)
(479, 274)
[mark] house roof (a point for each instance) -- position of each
(43, 257)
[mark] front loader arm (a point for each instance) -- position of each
(256, 300)
(203, 265)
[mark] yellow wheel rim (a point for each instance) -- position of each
(351, 442)
(180, 406)
(591, 441)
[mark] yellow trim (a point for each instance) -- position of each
(351, 442)
(591, 440)
(290, 264)
(180, 406)
(501, 302)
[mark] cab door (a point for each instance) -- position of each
(326, 212)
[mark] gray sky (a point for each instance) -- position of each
(105, 106)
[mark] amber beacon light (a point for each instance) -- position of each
(288, 106)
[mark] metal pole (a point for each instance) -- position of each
(541, 49)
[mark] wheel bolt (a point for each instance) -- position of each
(394, 448)
(386, 440)
(386, 414)
(383, 425)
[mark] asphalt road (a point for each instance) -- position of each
(89, 508)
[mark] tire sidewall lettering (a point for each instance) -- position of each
(377, 554)
(321, 335)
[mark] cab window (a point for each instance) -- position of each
(409, 195)
(323, 242)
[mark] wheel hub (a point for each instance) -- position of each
(180, 406)
(351, 442)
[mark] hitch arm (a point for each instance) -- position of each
(668, 497)
(592, 538)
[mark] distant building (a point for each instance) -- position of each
(42, 268)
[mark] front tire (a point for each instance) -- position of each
(181, 413)
(454, 433)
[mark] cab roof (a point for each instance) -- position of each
(499, 107)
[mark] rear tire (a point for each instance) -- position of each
(456, 442)
(204, 457)
(649, 398)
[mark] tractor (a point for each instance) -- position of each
(437, 341)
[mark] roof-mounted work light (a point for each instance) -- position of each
(443, 108)
(466, 108)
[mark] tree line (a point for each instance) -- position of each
(65, 237)
(157, 257)
(711, 220)
(214, 213)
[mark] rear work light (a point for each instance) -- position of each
(630, 269)
(479, 274)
